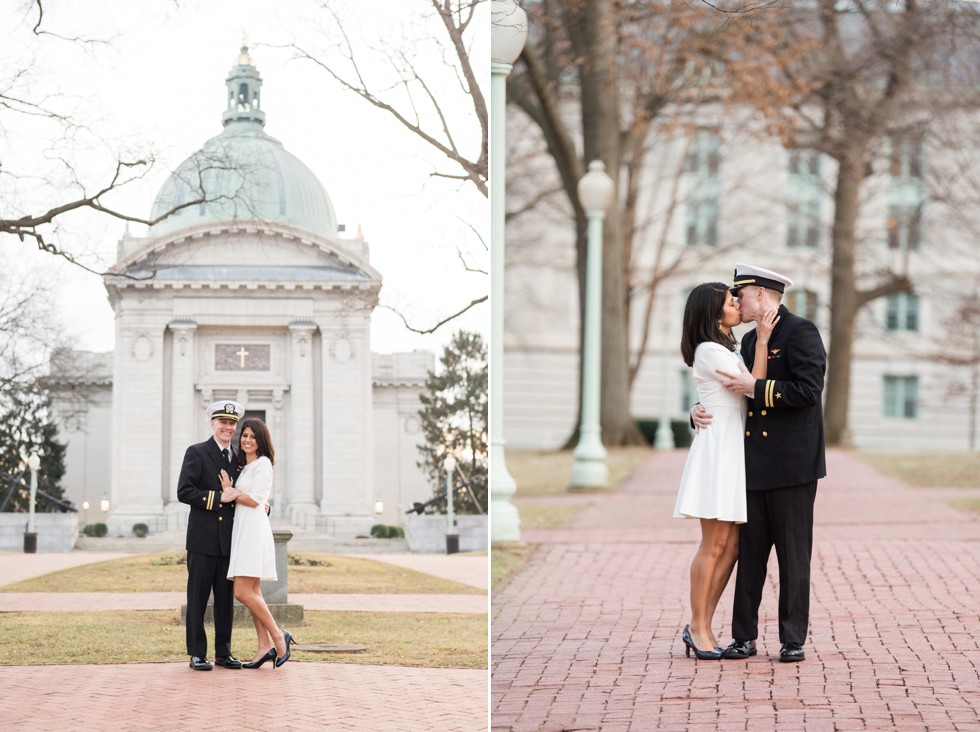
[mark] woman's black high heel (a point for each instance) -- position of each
(712, 655)
(270, 656)
(288, 640)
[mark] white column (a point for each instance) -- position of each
(137, 396)
(300, 454)
(185, 412)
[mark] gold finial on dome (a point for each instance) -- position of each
(243, 57)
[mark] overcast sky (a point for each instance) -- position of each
(159, 85)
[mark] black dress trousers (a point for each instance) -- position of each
(781, 518)
(204, 574)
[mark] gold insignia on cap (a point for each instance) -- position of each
(229, 409)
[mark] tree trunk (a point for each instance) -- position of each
(603, 140)
(843, 295)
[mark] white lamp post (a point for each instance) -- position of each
(508, 33)
(665, 435)
(30, 537)
(595, 192)
(452, 536)
(33, 463)
(104, 503)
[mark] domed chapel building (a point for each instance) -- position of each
(248, 292)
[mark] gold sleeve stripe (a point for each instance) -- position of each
(770, 387)
(210, 499)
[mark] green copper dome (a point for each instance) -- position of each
(243, 174)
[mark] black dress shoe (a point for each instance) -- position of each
(200, 664)
(228, 661)
(740, 649)
(791, 652)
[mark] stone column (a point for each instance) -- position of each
(347, 503)
(137, 395)
(300, 455)
(184, 412)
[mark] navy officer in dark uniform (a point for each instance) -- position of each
(209, 536)
(784, 458)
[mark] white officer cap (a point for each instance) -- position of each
(226, 410)
(746, 274)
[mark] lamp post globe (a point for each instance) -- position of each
(508, 31)
(596, 188)
(596, 191)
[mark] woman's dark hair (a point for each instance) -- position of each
(705, 307)
(262, 440)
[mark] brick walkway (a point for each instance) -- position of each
(300, 696)
(586, 635)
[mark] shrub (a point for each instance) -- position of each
(379, 531)
(396, 532)
(141, 530)
(683, 435)
(95, 530)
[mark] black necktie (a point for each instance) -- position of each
(227, 458)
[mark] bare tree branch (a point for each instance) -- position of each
(438, 325)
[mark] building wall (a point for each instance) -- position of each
(754, 189)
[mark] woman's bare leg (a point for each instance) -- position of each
(704, 568)
(723, 571)
(249, 592)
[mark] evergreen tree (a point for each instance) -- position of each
(25, 427)
(454, 420)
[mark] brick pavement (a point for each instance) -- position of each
(586, 635)
(298, 696)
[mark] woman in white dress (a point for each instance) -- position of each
(712, 487)
(253, 552)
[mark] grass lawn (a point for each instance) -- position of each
(921, 469)
(969, 504)
(431, 640)
(540, 473)
(506, 558)
(335, 574)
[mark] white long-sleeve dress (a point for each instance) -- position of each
(253, 552)
(713, 483)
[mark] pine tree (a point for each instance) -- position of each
(25, 427)
(454, 420)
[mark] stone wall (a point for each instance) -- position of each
(56, 532)
(427, 533)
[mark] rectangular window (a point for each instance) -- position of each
(804, 194)
(689, 392)
(903, 226)
(702, 223)
(906, 157)
(702, 182)
(902, 312)
(905, 193)
(901, 395)
(802, 303)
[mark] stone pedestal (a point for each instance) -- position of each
(275, 593)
